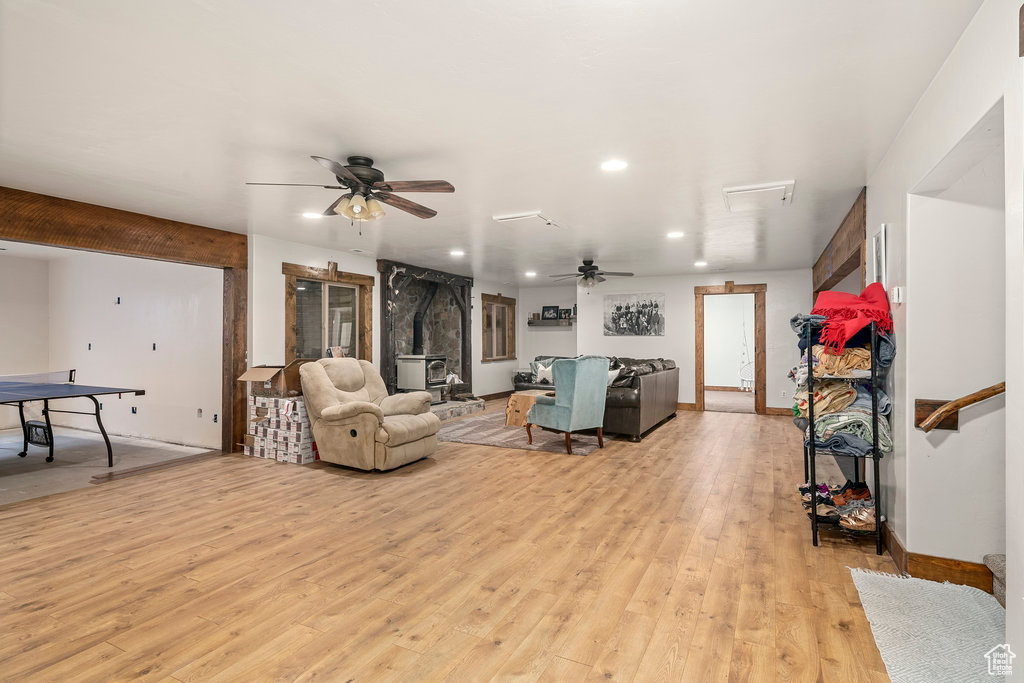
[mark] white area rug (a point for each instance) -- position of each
(928, 631)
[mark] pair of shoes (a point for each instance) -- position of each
(861, 519)
(857, 491)
(806, 488)
(823, 499)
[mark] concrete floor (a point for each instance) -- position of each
(729, 401)
(77, 456)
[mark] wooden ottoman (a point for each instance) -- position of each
(519, 405)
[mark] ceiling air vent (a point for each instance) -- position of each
(760, 196)
(526, 216)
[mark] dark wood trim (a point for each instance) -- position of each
(510, 326)
(935, 568)
(781, 412)
(760, 342)
(328, 274)
(686, 406)
(1020, 40)
(41, 219)
(500, 394)
(923, 409)
(105, 477)
(846, 252)
(710, 387)
(895, 547)
(364, 291)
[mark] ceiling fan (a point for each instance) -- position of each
(367, 188)
(589, 274)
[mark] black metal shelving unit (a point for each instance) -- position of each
(810, 451)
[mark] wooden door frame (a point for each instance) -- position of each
(41, 219)
(760, 378)
(364, 293)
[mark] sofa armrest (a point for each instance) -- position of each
(412, 403)
(343, 411)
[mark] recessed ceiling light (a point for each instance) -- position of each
(614, 165)
(457, 252)
(312, 214)
(700, 264)
(530, 273)
(674, 235)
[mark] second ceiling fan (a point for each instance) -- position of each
(589, 274)
(367, 188)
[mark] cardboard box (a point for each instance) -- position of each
(274, 381)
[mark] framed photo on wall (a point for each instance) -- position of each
(549, 312)
(878, 258)
(634, 315)
(564, 313)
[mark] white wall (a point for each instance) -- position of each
(496, 377)
(178, 307)
(24, 332)
(789, 292)
(728, 323)
(946, 360)
(982, 68)
(544, 341)
(851, 283)
(266, 291)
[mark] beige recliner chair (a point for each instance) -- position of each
(356, 423)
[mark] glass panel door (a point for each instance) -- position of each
(500, 331)
(341, 319)
(309, 311)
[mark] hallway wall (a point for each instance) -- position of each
(982, 68)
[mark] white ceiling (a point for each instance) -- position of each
(169, 108)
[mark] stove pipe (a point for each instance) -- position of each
(417, 320)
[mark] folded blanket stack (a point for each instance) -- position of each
(840, 356)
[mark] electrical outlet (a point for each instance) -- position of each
(199, 412)
(134, 410)
(782, 394)
(215, 417)
(90, 346)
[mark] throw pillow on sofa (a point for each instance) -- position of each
(544, 374)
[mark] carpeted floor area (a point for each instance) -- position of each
(928, 631)
(729, 401)
(488, 429)
(77, 456)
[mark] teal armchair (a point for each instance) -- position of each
(581, 385)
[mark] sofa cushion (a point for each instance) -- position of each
(399, 429)
(622, 397)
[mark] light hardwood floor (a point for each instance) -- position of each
(685, 557)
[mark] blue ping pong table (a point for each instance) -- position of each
(21, 389)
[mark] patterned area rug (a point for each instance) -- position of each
(928, 631)
(489, 430)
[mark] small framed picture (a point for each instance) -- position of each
(565, 314)
(549, 312)
(878, 257)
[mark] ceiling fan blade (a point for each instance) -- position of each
(608, 272)
(599, 278)
(405, 205)
(414, 186)
(329, 211)
(329, 187)
(338, 170)
(566, 275)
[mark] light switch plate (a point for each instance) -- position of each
(896, 295)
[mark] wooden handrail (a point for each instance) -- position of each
(947, 409)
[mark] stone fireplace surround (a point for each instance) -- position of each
(446, 322)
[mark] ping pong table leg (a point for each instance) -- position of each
(106, 439)
(49, 429)
(24, 430)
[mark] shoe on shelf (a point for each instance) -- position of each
(858, 491)
(861, 519)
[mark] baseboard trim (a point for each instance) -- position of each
(500, 394)
(782, 412)
(715, 388)
(935, 568)
(686, 406)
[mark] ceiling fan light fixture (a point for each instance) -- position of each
(342, 207)
(586, 283)
(374, 208)
(357, 205)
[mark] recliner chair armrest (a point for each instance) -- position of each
(343, 411)
(412, 403)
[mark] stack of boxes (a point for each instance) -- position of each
(278, 424)
(280, 430)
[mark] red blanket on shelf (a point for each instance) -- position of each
(847, 314)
